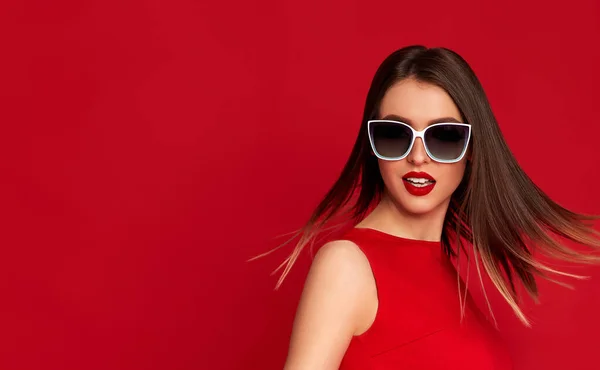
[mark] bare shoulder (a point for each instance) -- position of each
(334, 306)
(340, 254)
(340, 270)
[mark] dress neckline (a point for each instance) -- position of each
(397, 239)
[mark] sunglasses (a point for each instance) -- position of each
(443, 142)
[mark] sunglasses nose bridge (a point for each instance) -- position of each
(417, 153)
(419, 134)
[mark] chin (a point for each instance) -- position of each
(418, 207)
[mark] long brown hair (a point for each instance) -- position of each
(497, 209)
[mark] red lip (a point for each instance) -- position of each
(418, 190)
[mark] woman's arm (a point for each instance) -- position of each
(339, 300)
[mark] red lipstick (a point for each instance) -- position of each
(418, 188)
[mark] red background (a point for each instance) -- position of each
(149, 148)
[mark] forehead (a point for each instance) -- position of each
(418, 102)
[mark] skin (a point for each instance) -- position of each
(339, 299)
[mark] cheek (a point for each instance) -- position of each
(453, 174)
(390, 170)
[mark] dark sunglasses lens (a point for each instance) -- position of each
(446, 142)
(391, 140)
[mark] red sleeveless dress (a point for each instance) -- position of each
(418, 318)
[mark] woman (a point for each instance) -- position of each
(429, 173)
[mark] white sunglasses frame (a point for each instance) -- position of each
(415, 135)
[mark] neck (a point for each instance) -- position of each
(389, 217)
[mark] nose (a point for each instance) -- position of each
(418, 155)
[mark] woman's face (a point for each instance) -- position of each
(420, 104)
